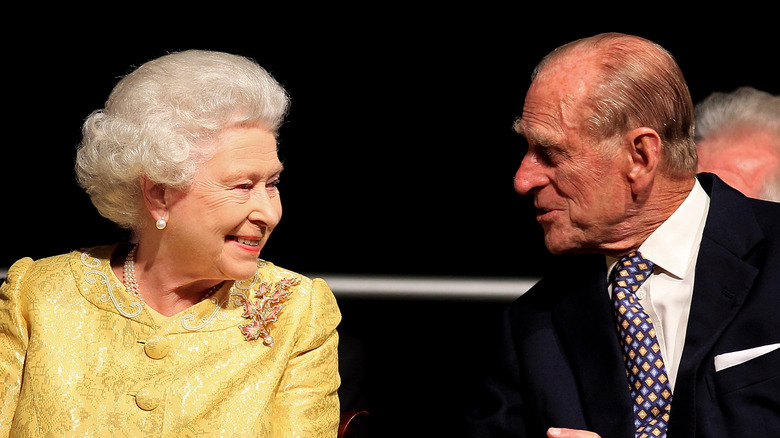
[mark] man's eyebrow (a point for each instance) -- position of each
(540, 140)
(535, 138)
(530, 135)
(517, 126)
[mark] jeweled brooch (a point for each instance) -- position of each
(264, 309)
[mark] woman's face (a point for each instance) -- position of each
(218, 226)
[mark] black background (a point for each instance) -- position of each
(398, 149)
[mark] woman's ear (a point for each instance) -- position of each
(154, 198)
(645, 157)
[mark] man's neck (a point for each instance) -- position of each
(664, 199)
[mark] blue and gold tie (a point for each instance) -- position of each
(647, 378)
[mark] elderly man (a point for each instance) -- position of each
(661, 319)
(738, 139)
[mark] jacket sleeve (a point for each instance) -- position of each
(497, 410)
(307, 402)
(14, 338)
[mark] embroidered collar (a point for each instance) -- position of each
(261, 301)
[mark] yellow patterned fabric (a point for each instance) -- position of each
(80, 356)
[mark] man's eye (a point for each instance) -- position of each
(546, 154)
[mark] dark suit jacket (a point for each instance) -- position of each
(560, 362)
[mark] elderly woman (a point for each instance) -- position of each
(184, 331)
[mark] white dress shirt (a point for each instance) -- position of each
(666, 294)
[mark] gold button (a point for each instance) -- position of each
(148, 399)
(157, 347)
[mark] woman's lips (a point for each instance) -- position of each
(248, 243)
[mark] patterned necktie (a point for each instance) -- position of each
(645, 369)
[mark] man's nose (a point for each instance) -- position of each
(530, 176)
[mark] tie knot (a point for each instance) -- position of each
(632, 270)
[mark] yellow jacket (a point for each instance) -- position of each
(80, 356)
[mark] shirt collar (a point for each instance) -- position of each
(673, 245)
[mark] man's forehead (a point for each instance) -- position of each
(556, 103)
(547, 119)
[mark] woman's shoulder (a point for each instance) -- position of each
(28, 269)
(307, 300)
(274, 276)
(28, 266)
(270, 272)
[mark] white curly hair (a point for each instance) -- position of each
(158, 119)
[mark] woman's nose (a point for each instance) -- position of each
(266, 209)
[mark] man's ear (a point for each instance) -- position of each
(645, 157)
(154, 198)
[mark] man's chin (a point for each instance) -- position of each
(557, 245)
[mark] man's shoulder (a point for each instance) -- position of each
(733, 216)
(767, 213)
(566, 274)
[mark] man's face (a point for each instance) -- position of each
(579, 187)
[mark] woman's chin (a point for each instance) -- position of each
(239, 262)
(238, 269)
(244, 271)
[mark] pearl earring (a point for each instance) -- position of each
(161, 223)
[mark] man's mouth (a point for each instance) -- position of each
(543, 214)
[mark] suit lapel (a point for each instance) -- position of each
(585, 324)
(722, 282)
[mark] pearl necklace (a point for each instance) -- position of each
(132, 285)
